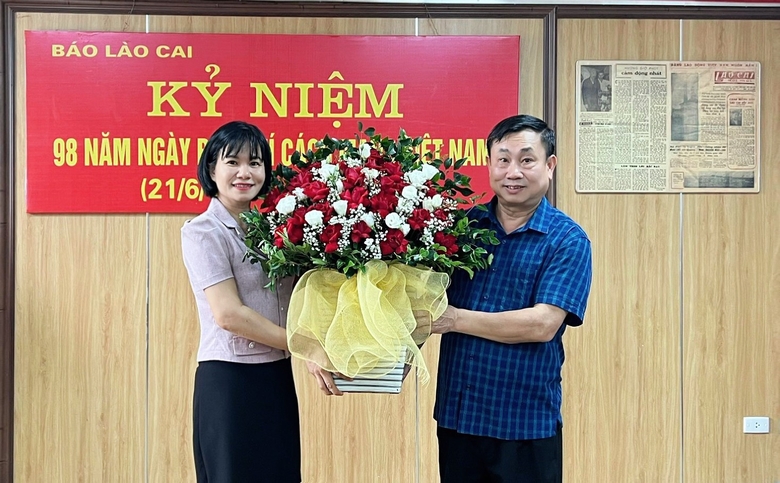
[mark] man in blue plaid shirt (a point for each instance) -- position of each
(498, 399)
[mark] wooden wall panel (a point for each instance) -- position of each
(732, 287)
(174, 334)
(622, 375)
(80, 349)
(80, 324)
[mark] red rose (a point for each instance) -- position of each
(316, 191)
(393, 243)
(352, 178)
(440, 214)
(392, 169)
(374, 160)
(356, 196)
(449, 242)
(418, 218)
(269, 202)
(391, 178)
(300, 180)
(294, 226)
(360, 231)
(330, 237)
(383, 204)
(279, 237)
(391, 184)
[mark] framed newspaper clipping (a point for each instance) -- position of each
(668, 127)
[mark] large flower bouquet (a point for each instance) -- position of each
(373, 229)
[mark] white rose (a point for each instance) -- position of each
(432, 203)
(341, 207)
(286, 205)
(314, 218)
(339, 186)
(370, 174)
(405, 228)
(393, 220)
(369, 219)
(409, 192)
(298, 192)
(326, 171)
(416, 178)
(429, 171)
(365, 150)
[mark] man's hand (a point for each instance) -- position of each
(446, 322)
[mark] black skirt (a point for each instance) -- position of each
(245, 423)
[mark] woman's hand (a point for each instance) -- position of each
(324, 379)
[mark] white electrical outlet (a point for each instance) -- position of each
(755, 424)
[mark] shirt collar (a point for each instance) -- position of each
(218, 210)
(540, 220)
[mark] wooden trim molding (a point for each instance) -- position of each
(550, 81)
(6, 232)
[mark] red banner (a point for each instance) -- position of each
(116, 121)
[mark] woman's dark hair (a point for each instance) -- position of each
(523, 122)
(229, 140)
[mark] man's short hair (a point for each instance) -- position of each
(523, 122)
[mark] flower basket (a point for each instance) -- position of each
(373, 229)
(368, 323)
(386, 378)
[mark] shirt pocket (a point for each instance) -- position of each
(246, 347)
(522, 293)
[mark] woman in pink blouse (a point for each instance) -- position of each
(245, 410)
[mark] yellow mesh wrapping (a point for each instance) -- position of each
(361, 323)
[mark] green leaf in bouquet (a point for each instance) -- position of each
(319, 262)
(462, 179)
(468, 270)
(459, 163)
(463, 224)
(463, 191)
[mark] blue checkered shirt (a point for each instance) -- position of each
(513, 391)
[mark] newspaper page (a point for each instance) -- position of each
(668, 126)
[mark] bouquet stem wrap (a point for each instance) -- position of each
(360, 324)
